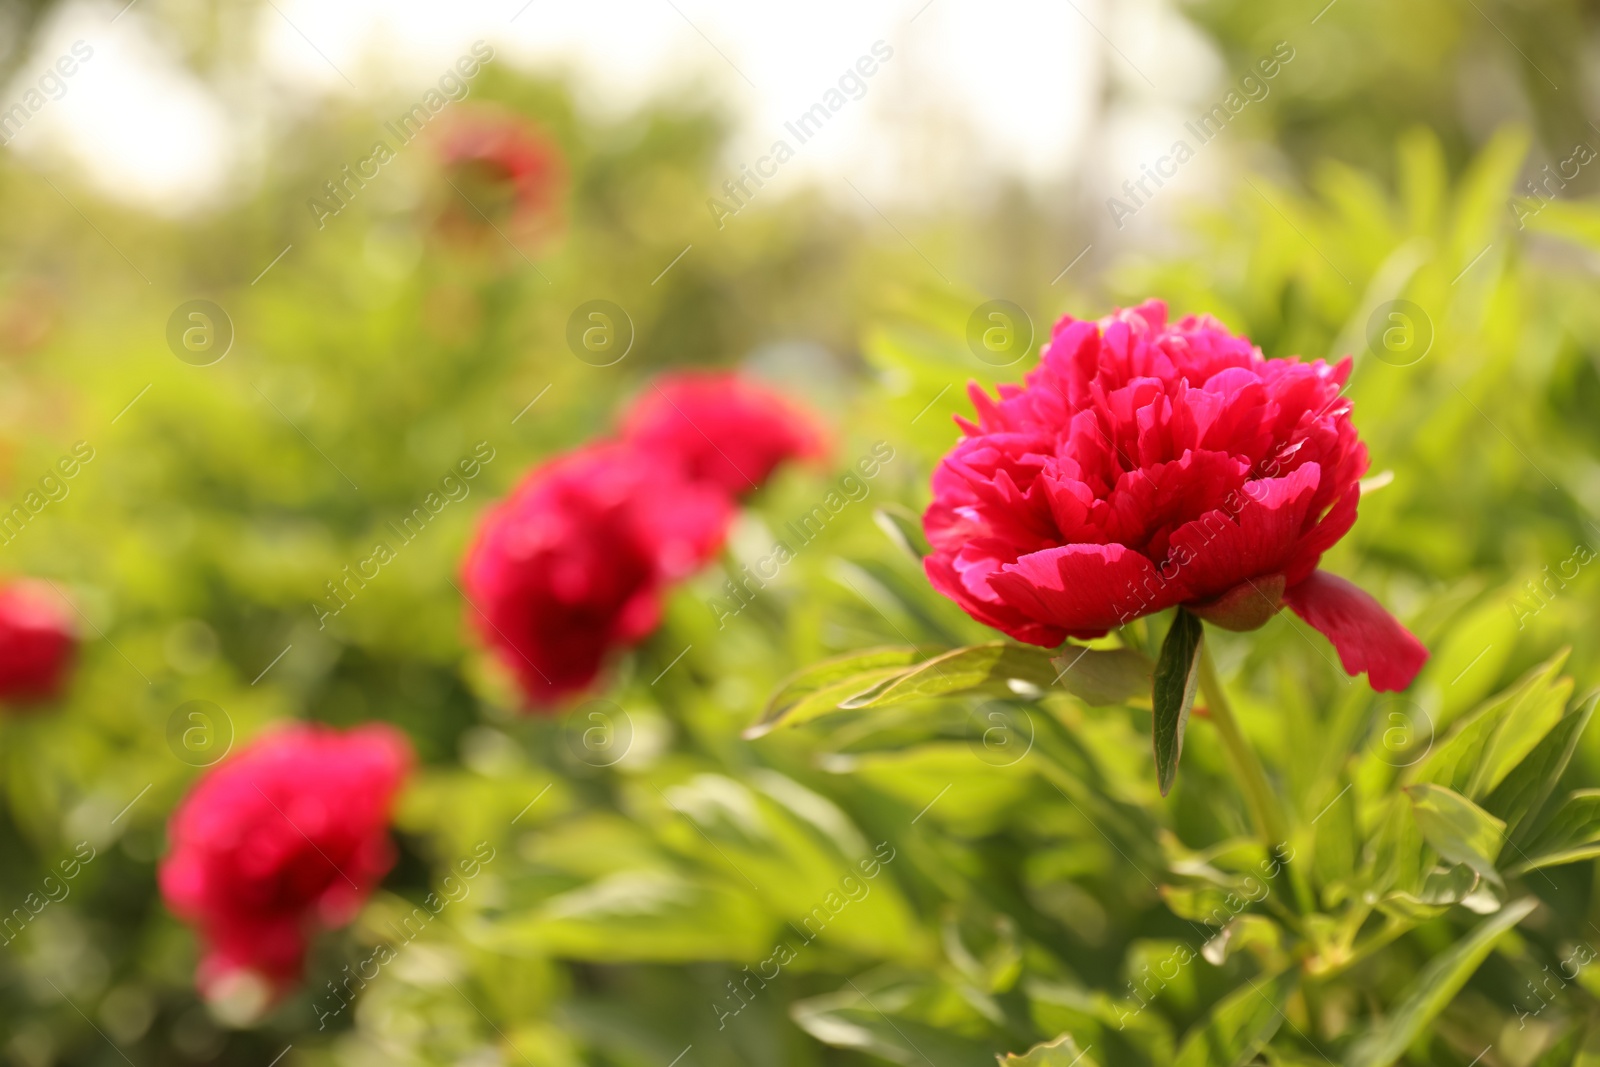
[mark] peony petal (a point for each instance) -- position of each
(989, 610)
(1085, 590)
(1217, 551)
(1366, 636)
(1321, 537)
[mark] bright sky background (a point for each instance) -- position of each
(975, 87)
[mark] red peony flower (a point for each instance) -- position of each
(37, 643)
(507, 163)
(720, 429)
(282, 838)
(573, 563)
(1146, 465)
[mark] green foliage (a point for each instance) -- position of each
(930, 846)
(1176, 678)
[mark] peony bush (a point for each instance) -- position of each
(1011, 753)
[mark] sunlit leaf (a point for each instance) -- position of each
(1521, 796)
(997, 668)
(1481, 749)
(1458, 829)
(1242, 932)
(1442, 888)
(809, 692)
(1572, 834)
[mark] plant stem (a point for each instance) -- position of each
(1264, 810)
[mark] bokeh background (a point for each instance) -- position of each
(1440, 153)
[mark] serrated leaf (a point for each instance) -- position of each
(904, 527)
(1239, 1026)
(1572, 834)
(1458, 829)
(1104, 676)
(1433, 988)
(1062, 1052)
(1177, 674)
(817, 689)
(1521, 796)
(990, 668)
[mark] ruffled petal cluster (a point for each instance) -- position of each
(575, 563)
(1147, 464)
(279, 840)
(720, 428)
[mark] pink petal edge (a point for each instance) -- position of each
(1367, 638)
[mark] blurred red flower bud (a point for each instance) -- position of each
(502, 167)
(37, 643)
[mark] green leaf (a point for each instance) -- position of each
(1239, 1026)
(1483, 747)
(1335, 839)
(1101, 677)
(904, 527)
(1572, 834)
(877, 1015)
(1062, 1052)
(1443, 888)
(1564, 1053)
(1458, 829)
(1198, 903)
(1176, 675)
(1432, 989)
(1521, 797)
(810, 692)
(636, 915)
(1242, 932)
(999, 668)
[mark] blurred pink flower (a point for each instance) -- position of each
(573, 564)
(720, 429)
(286, 836)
